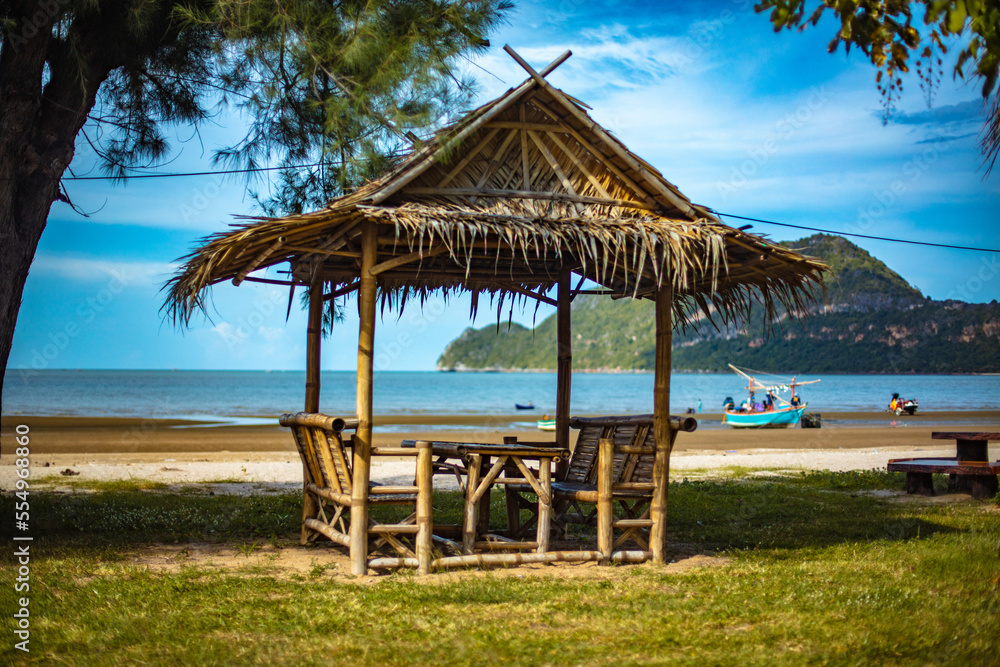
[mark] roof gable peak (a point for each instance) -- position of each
(537, 145)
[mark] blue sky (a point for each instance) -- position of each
(742, 120)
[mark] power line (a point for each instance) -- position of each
(862, 236)
(192, 173)
(728, 215)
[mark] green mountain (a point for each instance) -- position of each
(873, 321)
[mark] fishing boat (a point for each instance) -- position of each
(525, 406)
(546, 424)
(764, 408)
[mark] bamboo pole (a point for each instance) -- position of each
(329, 531)
(394, 528)
(483, 521)
(661, 422)
(313, 337)
(390, 563)
(630, 556)
(474, 466)
(256, 261)
(425, 516)
(528, 293)
(527, 194)
(525, 169)
(321, 251)
(512, 559)
(564, 367)
(605, 514)
(266, 281)
(515, 559)
(544, 505)
(333, 496)
(363, 436)
(633, 523)
(406, 259)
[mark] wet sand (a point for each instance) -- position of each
(255, 458)
(131, 437)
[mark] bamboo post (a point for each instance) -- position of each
(564, 367)
(474, 466)
(605, 516)
(544, 505)
(314, 336)
(661, 421)
(483, 525)
(425, 512)
(363, 435)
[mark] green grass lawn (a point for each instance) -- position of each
(819, 569)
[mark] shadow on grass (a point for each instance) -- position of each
(790, 513)
(810, 510)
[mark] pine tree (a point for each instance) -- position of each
(337, 85)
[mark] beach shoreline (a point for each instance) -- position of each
(183, 451)
(132, 436)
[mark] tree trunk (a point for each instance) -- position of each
(25, 194)
(38, 130)
(23, 213)
(39, 122)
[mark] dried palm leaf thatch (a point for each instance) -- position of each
(500, 203)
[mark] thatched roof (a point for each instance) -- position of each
(518, 190)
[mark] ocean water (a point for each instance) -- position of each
(187, 394)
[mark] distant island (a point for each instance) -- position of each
(872, 321)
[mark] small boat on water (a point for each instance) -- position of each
(764, 408)
(546, 424)
(525, 406)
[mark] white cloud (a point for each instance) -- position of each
(271, 334)
(99, 270)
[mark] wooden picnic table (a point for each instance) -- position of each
(970, 471)
(969, 446)
(488, 464)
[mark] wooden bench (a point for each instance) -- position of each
(624, 474)
(969, 470)
(332, 502)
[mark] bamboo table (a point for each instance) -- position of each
(482, 472)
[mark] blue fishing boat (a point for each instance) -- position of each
(764, 408)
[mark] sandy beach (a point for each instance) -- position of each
(181, 451)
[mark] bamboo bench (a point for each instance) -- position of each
(332, 502)
(969, 470)
(612, 461)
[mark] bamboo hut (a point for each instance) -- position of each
(524, 194)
